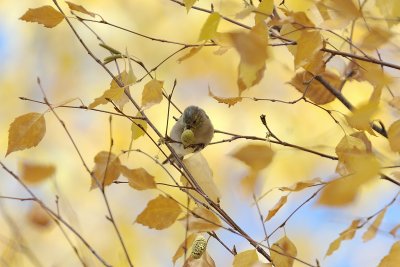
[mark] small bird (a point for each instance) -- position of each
(192, 132)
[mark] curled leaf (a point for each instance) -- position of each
(271, 213)
(230, 101)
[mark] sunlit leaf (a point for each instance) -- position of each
(39, 217)
(184, 246)
(298, 19)
(33, 173)
(204, 261)
(198, 166)
(314, 90)
(361, 117)
(393, 258)
(210, 26)
(347, 234)
(26, 131)
(230, 101)
(301, 185)
(244, 13)
(193, 51)
(79, 8)
(375, 38)
(389, 9)
(45, 15)
(394, 136)
(264, 10)
(271, 213)
(152, 93)
(373, 73)
(395, 102)
(245, 258)
(138, 127)
(373, 228)
(204, 220)
(106, 170)
(354, 144)
(160, 213)
(139, 178)
(189, 4)
(256, 156)
(281, 250)
(316, 65)
(309, 43)
(343, 11)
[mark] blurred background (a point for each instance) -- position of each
(28, 51)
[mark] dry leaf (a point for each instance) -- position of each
(200, 170)
(281, 250)
(106, 170)
(244, 13)
(347, 234)
(26, 131)
(298, 19)
(375, 38)
(301, 185)
(276, 208)
(373, 228)
(210, 27)
(361, 117)
(160, 213)
(245, 258)
(308, 45)
(355, 144)
(393, 232)
(79, 8)
(45, 15)
(38, 216)
(204, 261)
(35, 173)
(256, 156)
(152, 93)
(389, 9)
(263, 11)
(204, 220)
(193, 51)
(373, 73)
(230, 101)
(393, 258)
(395, 102)
(189, 4)
(135, 129)
(344, 11)
(316, 92)
(186, 244)
(139, 179)
(394, 136)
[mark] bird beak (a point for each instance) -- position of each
(188, 127)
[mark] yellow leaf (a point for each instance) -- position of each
(189, 4)
(394, 136)
(249, 75)
(373, 228)
(315, 91)
(389, 9)
(210, 26)
(373, 73)
(38, 216)
(316, 64)
(347, 234)
(256, 156)
(309, 43)
(301, 185)
(276, 208)
(191, 53)
(184, 246)
(281, 250)
(245, 258)
(204, 261)
(343, 11)
(245, 12)
(26, 131)
(79, 8)
(355, 144)
(200, 170)
(299, 19)
(230, 101)
(35, 173)
(136, 130)
(106, 170)
(264, 10)
(393, 232)
(249, 182)
(139, 179)
(152, 93)
(395, 102)
(45, 15)
(393, 258)
(342, 191)
(323, 10)
(334, 246)
(204, 220)
(160, 213)
(361, 117)
(375, 38)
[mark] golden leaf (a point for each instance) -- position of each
(139, 179)
(263, 11)
(79, 8)
(200, 170)
(373, 228)
(316, 64)
(361, 117)
(276, 208)
(281, 250)
(45, 15)
(373, 73)
(230, 101)
(204, 220)
(106, 170)
(245, 12)
(394, 230)
(389, 9)
(314, 90)
(245, 258)
(393, 258)
(35, 173)
(249, 182)
(38, 216)
(394, 136)
(347, 234)
(210, 26)
(184, 246)
(301, 185)
(152, 93)
(395, 102)
(135, 129)
(355, 144)
(333, 246)
(344, 12)
(299, 19)
(204, 261)
(308, 45)
(189, 4)
(160, 213)
(375, 38)
(26, 131)
(191, 53)
(256, 156)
